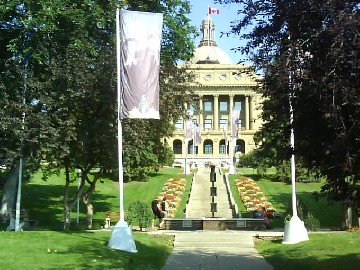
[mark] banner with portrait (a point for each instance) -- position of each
(140, 42)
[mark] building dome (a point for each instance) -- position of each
(210, 55)
(208, 52)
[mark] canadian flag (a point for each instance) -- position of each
(214, 10)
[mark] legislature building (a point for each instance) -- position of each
(222, 88)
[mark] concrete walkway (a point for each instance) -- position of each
(210, 250)
(220, 250)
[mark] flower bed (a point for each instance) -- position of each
(173, 190)
(252, 196)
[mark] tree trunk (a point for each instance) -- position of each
(67, 218)
(89, 214)
(9, 194)
(67, 208)
(347, 216)
(87, 199)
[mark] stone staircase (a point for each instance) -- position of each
(200, 197)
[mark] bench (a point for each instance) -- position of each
(111, 217)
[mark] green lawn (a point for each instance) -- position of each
(323, 251)
(80, 250)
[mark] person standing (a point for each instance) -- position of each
(164, 208)
(156, 208)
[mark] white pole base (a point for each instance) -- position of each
(232, 169)
(187, 169)
(295, 231)
(121, 238)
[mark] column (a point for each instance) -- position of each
(216, 112)
(247, 112)
(201, 113)
(251, 110)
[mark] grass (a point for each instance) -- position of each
(323, 251)
(88, 250)
(80, 250)
(279, 194)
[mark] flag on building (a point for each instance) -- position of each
(234, 122)
(213, 10)
(225, 136)
(197, 135)
(188, 129)
(140, 42)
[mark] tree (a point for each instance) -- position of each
(74, 95)
(308, 50)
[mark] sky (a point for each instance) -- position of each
(222, 22)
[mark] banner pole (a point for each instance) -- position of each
(121, 234)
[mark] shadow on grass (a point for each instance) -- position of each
(298, 257)
(45, 204)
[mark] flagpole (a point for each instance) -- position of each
(231, 150)
(193, 146)
(295, 230)
(208, 29)
(121, 235)
(226, 144)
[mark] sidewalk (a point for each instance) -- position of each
(216, 250)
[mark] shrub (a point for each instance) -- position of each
(139, 214)
(311, 223)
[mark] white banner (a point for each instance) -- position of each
(234, 122)
(140, 39)
(197, 135)
(188, 129)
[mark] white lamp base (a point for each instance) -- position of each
(187, 169)
(232, 169)
(121, 238)
(295, 231)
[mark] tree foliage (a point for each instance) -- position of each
(58, 69)
(308, 51)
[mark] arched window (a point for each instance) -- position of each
(222, 147)
(240, 146)
(208, 147)
(177, 147)
(192, 149)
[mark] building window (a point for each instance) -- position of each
(179, 124)
(223, 106)
(177, 146)
(207, 124)
(237, 105)
(192, 149)
(208, 149)
(223, 123)
(240, 124)
(207, 106)
(222, 147)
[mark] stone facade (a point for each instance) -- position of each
(220, 87)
